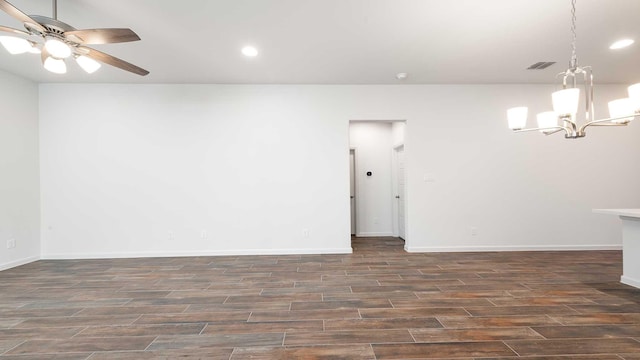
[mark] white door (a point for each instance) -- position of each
(400, 191)
(352, 189)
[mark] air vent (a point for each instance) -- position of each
(541, 65)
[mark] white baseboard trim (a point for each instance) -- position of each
(17, 263)
(239, 252)
(629, 281)
(512, 248)
(374, 234)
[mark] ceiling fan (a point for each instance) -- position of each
(56, 41)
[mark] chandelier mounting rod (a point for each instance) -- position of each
(574, 56)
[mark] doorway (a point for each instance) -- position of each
(377, 175)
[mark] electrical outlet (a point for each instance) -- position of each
(305, 233)
(11, 243)
(203, 234)
(474, 231)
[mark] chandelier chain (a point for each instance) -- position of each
(574, 56)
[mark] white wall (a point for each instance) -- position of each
(122, 166)
(372, 142)
(19, 173)
(144, 170)
(398, 129)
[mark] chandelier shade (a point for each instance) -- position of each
(565, 102)
(517, 117)
(634, 95)
(547, 119)
(620, 108)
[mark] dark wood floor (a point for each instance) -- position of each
(379, 303)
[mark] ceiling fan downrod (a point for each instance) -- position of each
(55, 9)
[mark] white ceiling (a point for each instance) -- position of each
(345, 41)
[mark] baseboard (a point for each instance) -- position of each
(512, 248)
(374, 234)
(17, 263)
(240, 252)
(629, 281)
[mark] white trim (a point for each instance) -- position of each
(374, 234)
(356, 187)
(17, 263)
(629, 281)
(61, 256)
(512, 248)
(394, 191)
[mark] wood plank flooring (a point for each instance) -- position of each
(377, 303)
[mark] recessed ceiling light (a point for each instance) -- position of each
(621, 44)
(249, 51)
(401, 76)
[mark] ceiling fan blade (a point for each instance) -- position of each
(103, 36)
(12, 30)
(112, 60)
(20, 16)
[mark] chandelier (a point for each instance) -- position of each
(566, 102)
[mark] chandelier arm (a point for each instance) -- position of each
(611, 124)
(572, 125)
(608, 120)
(549, 130)
(590, 113)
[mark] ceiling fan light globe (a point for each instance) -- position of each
(88, 64)
(34, 50)
(56, 66)
(57, 48)
(15, 45)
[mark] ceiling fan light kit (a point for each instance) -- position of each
(15, 45)
(57, 41)
(57, 48)
(566, 102)
(88, 64)
(56, 66)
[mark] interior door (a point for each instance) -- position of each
(400, 191)
(352, 189)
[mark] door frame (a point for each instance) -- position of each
(353, 217)
(394, 184)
